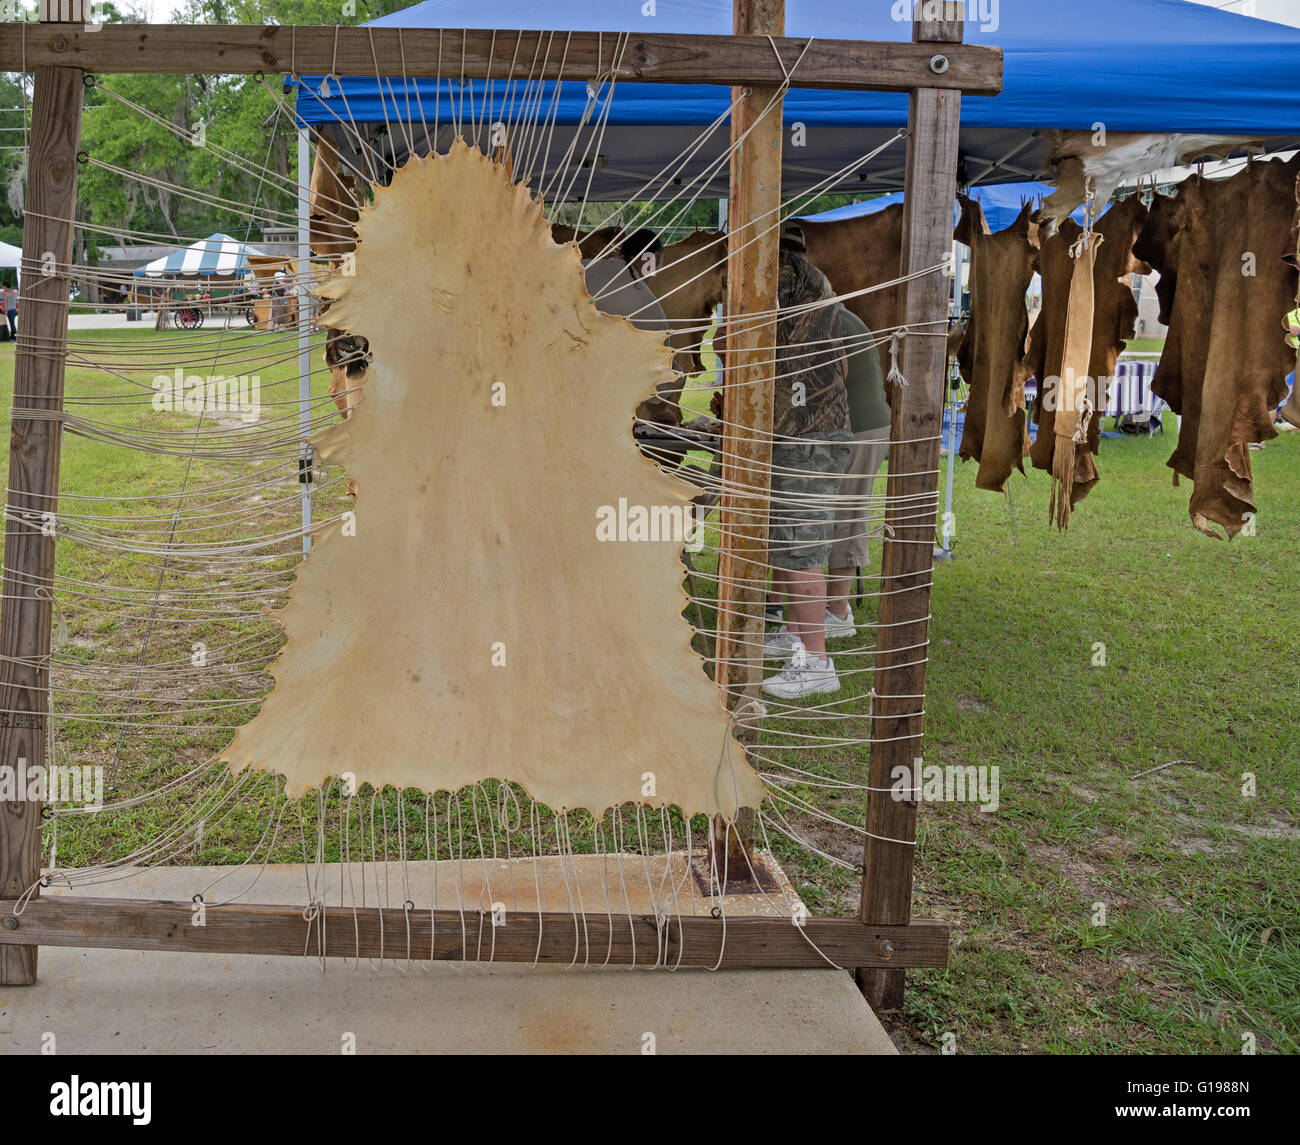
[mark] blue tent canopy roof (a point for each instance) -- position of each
(1133, 65)
(1001, 204)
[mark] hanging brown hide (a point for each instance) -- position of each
(331, 204)
(1224, 246)
(1115, 305)
(691, 279)
(1114, 312)
(1155, 245)
(856, 253)
(991, 355)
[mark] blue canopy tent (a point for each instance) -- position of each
(1001, 202)
(1132, 65)
(1148, 66)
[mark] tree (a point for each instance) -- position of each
(173, 175)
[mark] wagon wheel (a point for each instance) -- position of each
(250, 316)
(189, 317)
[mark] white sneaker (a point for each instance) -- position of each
(837, 627)
(780, 644)
(796, 681)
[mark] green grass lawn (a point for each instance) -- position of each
(1201, 941)
(1146, 345)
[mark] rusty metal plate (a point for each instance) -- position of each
(761, 879)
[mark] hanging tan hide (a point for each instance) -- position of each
(856, 253)
(991, 355)
(476, 626)
(1223, 245)
(1114, 314)
(1075, 407)
(331, 204)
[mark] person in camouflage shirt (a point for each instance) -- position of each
(807, 353)
(811, 447)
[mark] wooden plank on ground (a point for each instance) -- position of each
(551, 937)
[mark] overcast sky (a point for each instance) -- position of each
(1279, 11)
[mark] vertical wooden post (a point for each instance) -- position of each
(754, 206)
(48, 229)
(908, 557)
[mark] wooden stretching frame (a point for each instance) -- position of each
(935, 69)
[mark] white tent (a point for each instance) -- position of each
(10, 256)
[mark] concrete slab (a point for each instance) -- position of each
(137, 1002)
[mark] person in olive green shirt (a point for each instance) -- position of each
(869, 420)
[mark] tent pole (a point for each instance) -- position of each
(304, 333)
(944, 552)
(753, 235)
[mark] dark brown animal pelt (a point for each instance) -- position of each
(991, 356)
(1227, 246)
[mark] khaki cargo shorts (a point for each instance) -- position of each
(807, 480)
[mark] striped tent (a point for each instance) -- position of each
(216, 255)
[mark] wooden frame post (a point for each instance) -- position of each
(48, 228)
(753, 264)
(933, 120)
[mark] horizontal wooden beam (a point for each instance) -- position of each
(454, 52)
(553, 937)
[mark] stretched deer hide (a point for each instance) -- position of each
(1225, 244)
(331, 204)
(991, 355)
(1114, 312)
(856, 253)
(484, 617)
